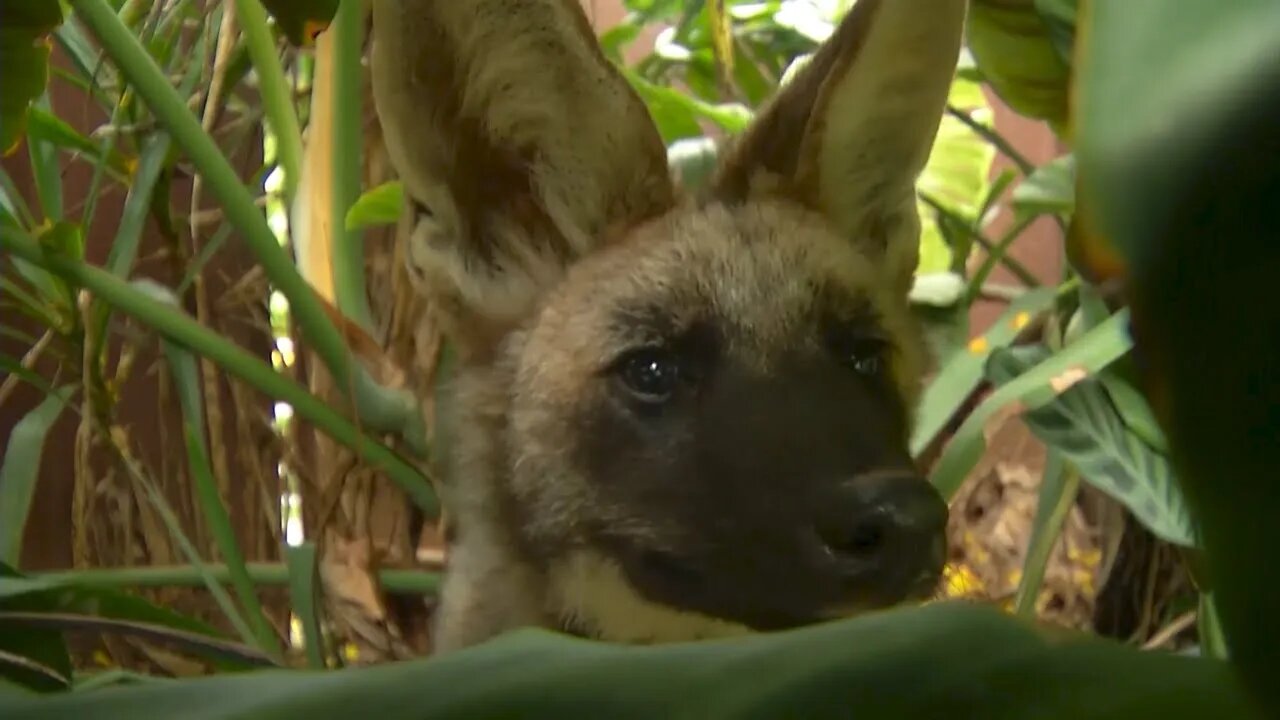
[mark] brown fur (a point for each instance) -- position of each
(550, 235)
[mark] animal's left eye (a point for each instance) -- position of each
(864, 354)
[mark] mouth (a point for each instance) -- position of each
(766, 601)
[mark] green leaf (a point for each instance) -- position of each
(956, 174)
(44, 125)
(1094, 351)
(20, 470)
(186, 381)
(1059, 17)
(677, 114)
(1014, 50)
(301, 561)
(961, 373)
(41, 647)
(24, 55)
(381, 205)
(182, 329)
(1084, 426)
(1058, 489)
(1049, 189)
(943, 660)
(36, 595)
(1178, 161)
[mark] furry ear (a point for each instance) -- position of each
(520, 147)
(849, 135)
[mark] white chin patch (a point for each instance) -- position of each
(590, 592)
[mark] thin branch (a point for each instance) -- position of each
(990, 134)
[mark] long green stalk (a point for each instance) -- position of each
(1058, 489)
(379, 408)
(182, 329)
(277, 98)
(403, 582)
(348, 140)
(300, 561)
(186, 380)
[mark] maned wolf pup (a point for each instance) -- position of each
(675, 417)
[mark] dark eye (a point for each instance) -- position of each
(866, 355)
(652, 375)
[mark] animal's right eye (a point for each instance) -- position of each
(652, 375)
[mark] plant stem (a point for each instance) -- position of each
(997, 253)
(1058, 489)
(1018, 269)
(277, 96)
(997, 140)
(403, 582)
(348, 140)
(181, 329)
(186, 381)
(379, 408)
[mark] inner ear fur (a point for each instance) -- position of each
(850, 134)
(519, 144)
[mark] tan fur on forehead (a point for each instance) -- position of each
(754, 270)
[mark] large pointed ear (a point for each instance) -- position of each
(851, 132)
(520, 146)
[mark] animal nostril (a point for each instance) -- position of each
(891, 519)
(865, 538)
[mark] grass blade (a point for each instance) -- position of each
(403, 582)
(182, 329)
(1058, 490)
(277, 96)
(194, 643)
(186, 382)
(301, 562)
(21, 470)
(379, 408)
(46, 170)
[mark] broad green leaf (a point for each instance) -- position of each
(677, 114)
(1014, 50)
(302, 20)
(943, 660)
(1083, 425)
(956, 174)
(962, 372)
(1049, 189)
(1059, 17)
(1133, 407)
(381, 205)
(24, 55)
(1094, 351)
(616, 38)
(1181, 176)
(20, 470)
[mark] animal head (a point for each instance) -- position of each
(713, 390)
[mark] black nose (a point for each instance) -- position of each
(887, 532)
